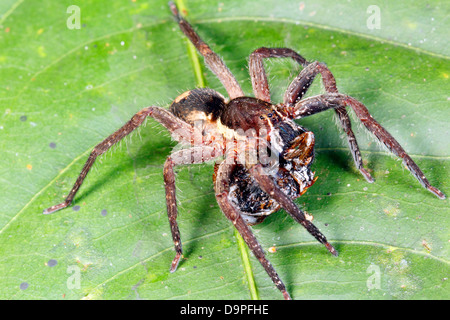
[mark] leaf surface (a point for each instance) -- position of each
(64, 90)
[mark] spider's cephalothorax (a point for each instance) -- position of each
(263, 156)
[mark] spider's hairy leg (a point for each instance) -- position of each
(222, 174)
(213, 61)
(185, 156)
(298, 87)
(267, 184)
(181, 130)
(257, 72)
(324, 102)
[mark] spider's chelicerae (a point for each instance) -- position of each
(265, 155)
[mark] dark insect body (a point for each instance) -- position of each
(265, 156)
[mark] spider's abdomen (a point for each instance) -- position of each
(292, 174)
(198, 105)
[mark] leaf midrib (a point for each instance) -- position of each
(280, 247)
(242, 248)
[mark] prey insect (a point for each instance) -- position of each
(263, 157)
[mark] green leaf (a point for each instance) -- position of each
(64, 90)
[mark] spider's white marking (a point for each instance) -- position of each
(229, 133)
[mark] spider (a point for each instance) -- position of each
(263, 157)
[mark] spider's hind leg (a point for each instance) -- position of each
(180, 130)
(212, 60)
(193, 155)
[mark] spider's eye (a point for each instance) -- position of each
(270, 115)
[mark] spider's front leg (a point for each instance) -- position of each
(324, 102)
(267, 184)
(258, 74)
(181, 131)
(299, 86)
(192, 155)
(297, 89)
(222, 190)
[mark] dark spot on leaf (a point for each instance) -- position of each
(52, 145)
(104, 212)
(76, 208)
(23, 286)
(23, 118)
(52, 263)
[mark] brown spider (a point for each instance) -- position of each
(266, 156)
